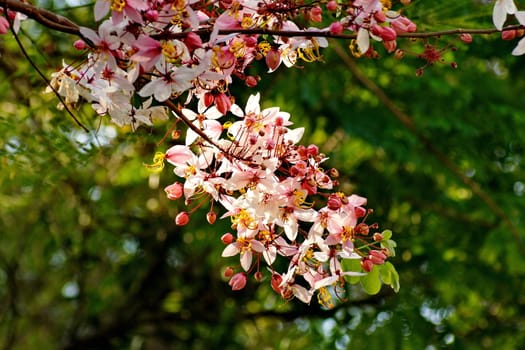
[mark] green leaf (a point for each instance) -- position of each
(389, 275)
(387, 234)
(371, 282)
(352, 265)
(390, 245)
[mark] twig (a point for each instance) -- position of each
(409, 124)
(63, 24)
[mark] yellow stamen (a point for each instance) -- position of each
(325, 298)
(354, 48)
(118, 5)
(158, 163)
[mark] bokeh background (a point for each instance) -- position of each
(90, 257)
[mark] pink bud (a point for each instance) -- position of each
(312, 150)
(174, 191)
(377, 257)
(276, 283)
(79, 44)
(182, 218)
(403, 25)
(228, 272)
(380, 16)
(334, 202)
(362, 229)
(251, 81)
(390, 45)
(377, 237)
(211, 217)
(223, 103)
(466, 38)
(359, 212)
(273, 59)
(227, 238)
(193, 41)
(238, 281)
(508, 34)
(151, 15)
(336, 28)
(388, 34)
(258, 276)
(399, 54)
(316, 14)
(331, 5)
(367, 265)
(208, 99)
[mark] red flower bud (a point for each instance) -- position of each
(273, 59)
(251, 81)
(174, 191)
(151, 15)
(79, 44)
(227, 238)
(316, 14)
(388, 34)
(228, 272)
(276, 283)
(336, 28)
(258, 276)
(193, 41)
(331, 5)
(390, 45)
(380, 16)
(334, 202)
(359, 212)
(312, 150)
(399, 54)
(377, 257)
(223, 103)
(182, 218)
(466, 38)
(367, 265)
(208, 99)
(211, 217)
(377, 237)
(508, 34)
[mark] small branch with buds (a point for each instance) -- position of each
(62, 24)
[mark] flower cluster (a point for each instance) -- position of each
(282, 204)
(148, 52)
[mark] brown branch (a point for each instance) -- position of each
(428, 144)
(45, 17)
(63, 24)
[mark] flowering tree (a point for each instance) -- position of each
(152, 60)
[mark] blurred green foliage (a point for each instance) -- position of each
(90, 257)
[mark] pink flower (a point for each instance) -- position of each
(245, 247)
(403, 25)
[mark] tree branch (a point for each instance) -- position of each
(63, 24)
(429, 145)
(43, 16)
